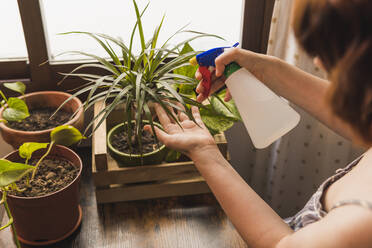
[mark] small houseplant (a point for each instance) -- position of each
(27, 118)
(52, 212)
(134, 83)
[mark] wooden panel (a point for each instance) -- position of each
(131, 193)
(256, 24)
(37, 46)
(166, 171)
(99, 141)
(14, 69)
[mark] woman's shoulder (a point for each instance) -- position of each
(355, 185)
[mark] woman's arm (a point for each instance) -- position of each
(258, 224)
(299, 87)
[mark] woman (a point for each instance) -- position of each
(338, 34)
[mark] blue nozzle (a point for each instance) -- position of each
(207, 58)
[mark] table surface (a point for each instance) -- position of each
(176, 222)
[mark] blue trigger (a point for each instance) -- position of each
(207, 58)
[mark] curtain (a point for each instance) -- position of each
(287, 173)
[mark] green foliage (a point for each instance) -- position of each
(27, 149)
(16, 86)
(186, 88)
(137, 80)
(11, 172)
(219, 115)
(16, 111)
(66, 135)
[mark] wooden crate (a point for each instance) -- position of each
(115, 184)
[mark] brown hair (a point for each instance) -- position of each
(339, 32)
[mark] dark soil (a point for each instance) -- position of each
(120, 143)
(39, 119)
(53, 174)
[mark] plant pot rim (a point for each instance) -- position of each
(56, 192)
(70, 122)
(162, 147)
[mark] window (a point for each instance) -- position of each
(12, 42)
(35, 24)
(117, 18)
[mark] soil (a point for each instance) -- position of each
(120, 143)
(53, 174)
(39, 119)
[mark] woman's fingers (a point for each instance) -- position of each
(228, 96)
(163, 117)
(181, 113)
(224, 59)
(162, 136)
(196, 114)
(217, 83)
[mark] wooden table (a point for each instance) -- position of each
(177, 222)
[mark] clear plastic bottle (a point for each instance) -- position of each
(266, 116)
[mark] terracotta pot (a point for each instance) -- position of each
(125, 159)
(51, 218)
(42, 99)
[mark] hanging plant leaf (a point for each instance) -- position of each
(214, 121)
(16, 111)
(230, 105)
(11, 172)
(27, 149)
(16, 86)
(66, 135)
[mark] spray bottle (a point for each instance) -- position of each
(266, 116)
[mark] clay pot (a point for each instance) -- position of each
(125, 159)
(51, 218)
(42, 99)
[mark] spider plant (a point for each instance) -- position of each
(137, 81)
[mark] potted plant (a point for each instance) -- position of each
(29, 118)
(39, 184)
(134, 83)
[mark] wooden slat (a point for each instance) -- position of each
(256, 24)
(141, 192)
(14, 69)
(175, 171)
(99, 141)
(37, 45)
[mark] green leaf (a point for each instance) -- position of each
(227, 106)
(172, 156)
(16, 111)
(26, 149)
(66, 135)
(215, 122)
(17, 87)
(188, 70)
(11, 172)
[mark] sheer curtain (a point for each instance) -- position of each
(287, 173)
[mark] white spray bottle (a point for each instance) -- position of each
(266, 116)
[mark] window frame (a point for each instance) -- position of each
(44, 75)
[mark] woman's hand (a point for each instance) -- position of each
(253, 62)
(192, 139)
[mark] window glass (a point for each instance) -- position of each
(12, 41)
(117, 18)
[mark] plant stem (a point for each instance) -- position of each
(3, 96)
(41, 159)
(11, 222)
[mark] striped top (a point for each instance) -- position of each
(313, 210)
